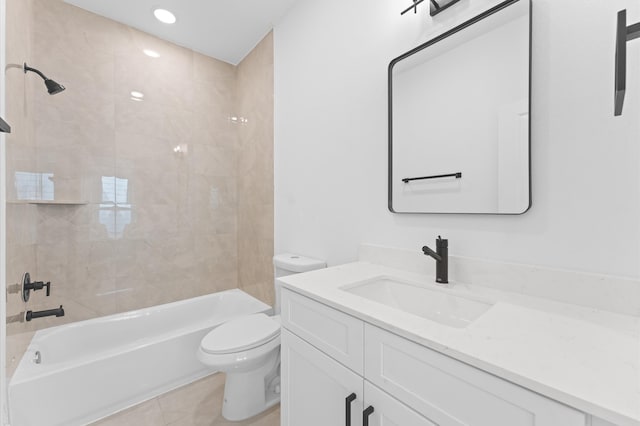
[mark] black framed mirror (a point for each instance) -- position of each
(459, 121)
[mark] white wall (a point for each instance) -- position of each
(331, 61)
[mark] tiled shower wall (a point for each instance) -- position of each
(21, 156)
(136, 202)
(255, 172)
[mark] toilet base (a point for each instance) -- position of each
(249, 393)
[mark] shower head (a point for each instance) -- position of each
(52, 87)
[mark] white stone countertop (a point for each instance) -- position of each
(586, 358)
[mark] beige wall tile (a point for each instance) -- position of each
(16, 346)
(21, 152)
(18, 97)
(255, 171)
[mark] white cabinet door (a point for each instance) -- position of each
(335, 333)
(451, 393)
(388, 411)
(315, 387)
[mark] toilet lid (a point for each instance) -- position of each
(241, 334)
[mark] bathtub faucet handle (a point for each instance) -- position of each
(29, 286)
(39, 285)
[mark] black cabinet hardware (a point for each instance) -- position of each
(48, 313)
(4, 126)
(365, 415)
(624, 34)
(457, 175)
(347, 409)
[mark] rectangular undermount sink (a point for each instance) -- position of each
(437, 305)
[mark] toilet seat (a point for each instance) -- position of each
(241, 334)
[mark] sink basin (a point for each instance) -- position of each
(437, 305)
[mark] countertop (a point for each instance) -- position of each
(586, 358)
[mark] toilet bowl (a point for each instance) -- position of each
(247, 349)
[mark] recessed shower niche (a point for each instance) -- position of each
(459, 118)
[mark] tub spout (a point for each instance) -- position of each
(48, 313)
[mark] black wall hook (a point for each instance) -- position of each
(438, 6)
(414, 7)
(435, 7)
(4, 126)
(624, 34)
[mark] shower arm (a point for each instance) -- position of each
(28, 68)
(53, 87)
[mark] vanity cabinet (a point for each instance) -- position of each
(327, 355)
(320, 391)
(316, 386)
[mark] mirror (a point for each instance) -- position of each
(459, 118)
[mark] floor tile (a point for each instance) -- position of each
(148, 414)
(196, 404)
(201, 399)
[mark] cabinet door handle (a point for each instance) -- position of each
(347, 409)
(365, 415)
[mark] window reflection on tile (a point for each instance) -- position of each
(34, 186)
(115, 211)
(214, 199)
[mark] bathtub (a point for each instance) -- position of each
(91, 369)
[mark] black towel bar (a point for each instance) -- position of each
(457, 175)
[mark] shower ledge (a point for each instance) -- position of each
(50, 202)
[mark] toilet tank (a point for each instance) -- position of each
(289, 264)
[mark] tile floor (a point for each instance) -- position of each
(197, 404)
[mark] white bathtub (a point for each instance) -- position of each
(91, 369)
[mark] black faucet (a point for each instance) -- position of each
(441, 255)
(29, 286)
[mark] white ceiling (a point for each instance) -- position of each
(224, 29)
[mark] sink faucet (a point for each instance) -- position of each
(441, 255)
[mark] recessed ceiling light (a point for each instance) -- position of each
(138, 95)
(136, 99)
(151, 53)
(163, 15)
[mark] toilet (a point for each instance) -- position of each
(247, 349)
